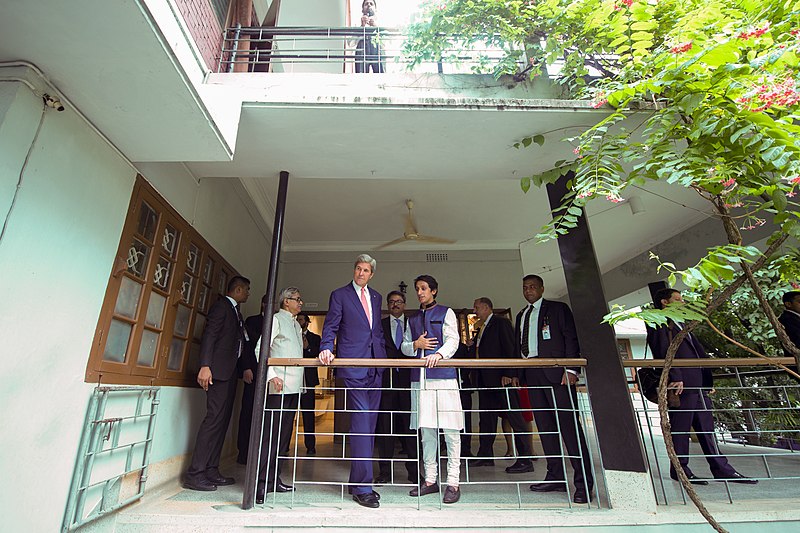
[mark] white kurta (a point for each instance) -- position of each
(286, 342)
(436, 403)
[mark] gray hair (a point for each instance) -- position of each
(286, 293)
(366, 258)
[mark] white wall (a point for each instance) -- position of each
(55, 260)
(465, 276)
(54, 263)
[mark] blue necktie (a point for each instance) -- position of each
(398, 333)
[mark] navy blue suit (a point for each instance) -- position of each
(695, 409)
(347, 323)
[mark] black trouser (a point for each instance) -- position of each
(307, 405)
(278, 425)
(555, 409)
(466, 436)
(495, 403)
(695, 412)
(394, 422)
(211, 435)
(245, 420)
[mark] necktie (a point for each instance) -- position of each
(365, 305)
(526, 318)
(241, 332)
(398, 333)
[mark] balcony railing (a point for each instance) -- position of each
(338, 50)
(770, 452)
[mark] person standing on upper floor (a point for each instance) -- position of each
(221, 348)
(692, 385)
(496, 341)
(546, 329)
(354, 322)
(308, 399)
(432, 335)
(369, 53)
(394, 419)
(283, 392)
(249, 364)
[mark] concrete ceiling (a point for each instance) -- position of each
(114, 65)
(352, 165)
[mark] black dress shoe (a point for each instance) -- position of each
(736, 477)
(369, 499)
(482, 462)
(451, 494)
(218, 479)
(280, 486)
(580, 496)
(424, 490)
(260, 493)
(382, 479)
(311, 451)
(693, 479)
(549, 486)
(198, 483)
(520, 467)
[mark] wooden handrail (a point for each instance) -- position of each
(446, 363)
(534, 362)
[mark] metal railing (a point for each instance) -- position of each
(756, 427)
(339, 50)
(116, 442)
(321, 479)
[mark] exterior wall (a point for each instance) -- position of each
(204, 28)
(464, 277)
(55, 259)
(311, 13)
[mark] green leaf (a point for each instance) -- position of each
(538, 139)
(779, 199)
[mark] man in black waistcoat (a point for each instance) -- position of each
(394, 420)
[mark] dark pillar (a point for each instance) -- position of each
(257, 425)
(617, 428)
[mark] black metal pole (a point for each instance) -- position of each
(617, 428)
(254, 458)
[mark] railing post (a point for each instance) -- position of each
(234, 46)
(257, 424)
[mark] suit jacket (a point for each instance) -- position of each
(659, 340)
(563, 341)
(791, 322)
(400, 377)
(220, 344)
(497, 342)
(253, 325)
(348, 325)
(312, 372)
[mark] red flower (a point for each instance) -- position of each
(795, 180)
(681, 48)
(758, 32)
(728, 182)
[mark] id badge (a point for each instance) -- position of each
(546, 332)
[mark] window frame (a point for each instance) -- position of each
(130, 372)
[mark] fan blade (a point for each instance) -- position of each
(390, 243)
(428, 238)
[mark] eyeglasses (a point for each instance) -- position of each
(396, 302)
(296, 299)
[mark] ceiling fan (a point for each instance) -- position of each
(411, 233)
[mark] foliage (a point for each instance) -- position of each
(703, 94)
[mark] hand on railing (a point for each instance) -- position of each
(326, 357)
